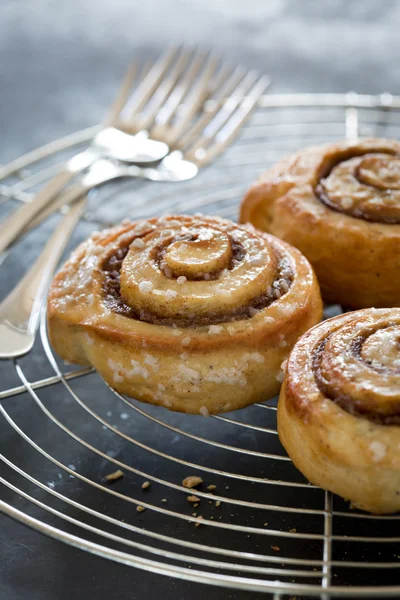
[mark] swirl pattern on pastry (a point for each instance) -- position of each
(195, 304)
(340, 205)
(339, 408)
(207, 273)
(366, 187)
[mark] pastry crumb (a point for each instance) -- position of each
(193, 499)
(197, 524)
(195, 505)
(192, 481)
(114, 476)
(145, 485)
(164, 500)
(140, 509)
(265, 524)
(218, 503)
(211, 487)
(276, 548)
(294, 530)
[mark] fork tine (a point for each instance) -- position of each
(122, 95)
(223, 86)
(228, 107)
(145, 70)
(162, 93)
(147, 86)
(195, 100)
(173, 102)
(226, 123)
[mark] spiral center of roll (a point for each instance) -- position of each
(366, 187)
(358, 366)
(189, 271)
(380, 171)
(381, 350)
(206, 251)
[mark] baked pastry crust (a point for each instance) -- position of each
(339, 407)
(340, 205)
(193, 313)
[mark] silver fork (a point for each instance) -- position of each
(178, 76)
(20, 310)
(201, 142)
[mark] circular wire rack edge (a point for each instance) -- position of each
(236, 550)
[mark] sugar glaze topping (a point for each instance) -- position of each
(189, 271)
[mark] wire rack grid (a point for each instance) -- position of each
(256, 525)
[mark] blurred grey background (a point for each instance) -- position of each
(60, 65)
(61, 61)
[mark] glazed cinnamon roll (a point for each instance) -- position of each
(340, 205)
(339, 407)
(195, 314)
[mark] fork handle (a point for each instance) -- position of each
(14, 225)
(22, 305)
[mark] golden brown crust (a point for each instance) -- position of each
(339, 407)
(340, 205)
(192, 313)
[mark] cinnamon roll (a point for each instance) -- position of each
(195, 314)
(339, 407)
(340, 205)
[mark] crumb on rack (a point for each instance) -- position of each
(266, 524)
(192, 481)
(145, 485)
(163, 500)
(114, 476)
(218, 503)
(200, 518)
(140, 509)
(211, 487)
(195, 505)
(193, 499)
(294, 530)
(204, 411)
(276, 548)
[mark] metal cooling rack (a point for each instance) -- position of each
(263, 527)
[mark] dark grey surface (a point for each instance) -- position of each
(61, 63)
